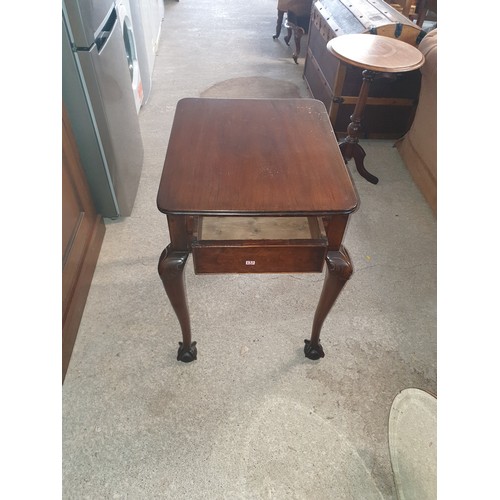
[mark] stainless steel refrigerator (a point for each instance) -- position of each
(97, 93)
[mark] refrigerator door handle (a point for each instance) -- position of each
(102, 36)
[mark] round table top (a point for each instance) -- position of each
(376, 53)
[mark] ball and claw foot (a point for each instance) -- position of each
(313, 352)
(187, 355)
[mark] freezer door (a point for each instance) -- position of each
(86, 18)
(107, 80)
(81, 116)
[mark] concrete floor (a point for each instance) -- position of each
(252, 418)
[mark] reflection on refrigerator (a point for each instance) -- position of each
(147, 17)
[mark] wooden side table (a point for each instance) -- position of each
(378, 56)
(254, 186)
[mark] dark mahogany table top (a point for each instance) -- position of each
(254, 157)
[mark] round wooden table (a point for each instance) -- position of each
(376, 55)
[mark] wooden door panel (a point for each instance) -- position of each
(82, 235)
(71, 215)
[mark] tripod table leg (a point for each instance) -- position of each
(350, 147)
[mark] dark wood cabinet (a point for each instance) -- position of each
(82, 235)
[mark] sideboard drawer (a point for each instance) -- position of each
(259, 245)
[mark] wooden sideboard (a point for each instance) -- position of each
(82, 235)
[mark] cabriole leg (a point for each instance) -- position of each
(171, 271)
(279, 23)
(338, 271)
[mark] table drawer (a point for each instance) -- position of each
(266, 257)
(259, 245)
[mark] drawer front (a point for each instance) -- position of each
(269, 258)
(379, 121)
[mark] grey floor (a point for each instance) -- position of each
(252, 418)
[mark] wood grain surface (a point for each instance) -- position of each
(376, 53)
(254, 157)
